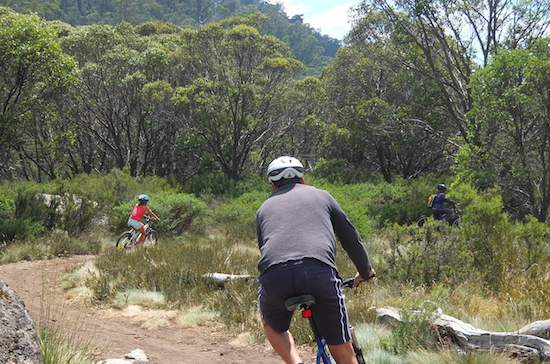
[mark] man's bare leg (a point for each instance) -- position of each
(343, 353)
(283, 344)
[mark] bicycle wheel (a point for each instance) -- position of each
(124, 241)
(422, 220)
(456, 222)
(356, 347)
(151, 237)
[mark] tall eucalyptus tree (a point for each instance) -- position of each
(512, 107)
(455, 37)
(122, 109)
(33, 73)
(233, 78)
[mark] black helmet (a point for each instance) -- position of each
(441, 187)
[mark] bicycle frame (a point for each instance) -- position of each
(321, 351)
(136, 234)
(304, 302)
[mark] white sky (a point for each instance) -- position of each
(328, 16)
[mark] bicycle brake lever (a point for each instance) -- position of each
(349, 282)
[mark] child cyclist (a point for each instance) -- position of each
(135, 219)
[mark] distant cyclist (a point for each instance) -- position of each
(438, 209)
(135, 219)
(296, 229)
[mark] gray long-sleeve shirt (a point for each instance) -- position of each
(299, 221)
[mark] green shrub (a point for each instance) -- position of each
(433, 253)
(179, 213)
(17, 252)
(335, 171)
(218, 185)
(402, 201)
(25, 217)
(353, 200)
(112, 189)
(62, 244)
(414, 331)
(237, 216)
(488, 233)
(19, 229)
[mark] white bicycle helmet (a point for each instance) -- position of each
(284, 168)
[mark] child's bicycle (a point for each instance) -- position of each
(129, 239)
(305, 302)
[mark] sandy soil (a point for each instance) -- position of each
(118, 332)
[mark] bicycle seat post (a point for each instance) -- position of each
(305, 302)
(306, 313)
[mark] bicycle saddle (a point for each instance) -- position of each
(293, 302)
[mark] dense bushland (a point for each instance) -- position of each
(490, 271)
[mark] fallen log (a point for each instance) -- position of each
(468, 337)
(537, 328)
(222, 278)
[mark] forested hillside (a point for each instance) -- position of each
(309, 46)
(406, 97)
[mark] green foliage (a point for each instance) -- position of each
(414, 331)
(511, 129)
(23, 251)
(433, 253)
(352, 199)
(375, 205)
(58, 347)
(61, 245)
(179, 213)
(150, 18)
(31, 210)
(237, 216)
(334, 171)
(233, 94)
(33, 69)
(489, 235)
(403, 201)
(25, 217)
(19, 229)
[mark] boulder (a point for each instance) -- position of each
(19, 342)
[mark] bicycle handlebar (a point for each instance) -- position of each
(349, 282)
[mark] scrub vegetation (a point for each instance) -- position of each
(490, 272)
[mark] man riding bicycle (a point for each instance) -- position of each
(438, 209)
(296, 229)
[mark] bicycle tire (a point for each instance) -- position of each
(151, 237)
(456, 222)
(356, 347)
(422, 220)
(124, 241)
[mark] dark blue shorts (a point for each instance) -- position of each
(307, 276)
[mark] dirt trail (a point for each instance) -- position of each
(117, 334)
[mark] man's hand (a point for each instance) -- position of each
(358, 279)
